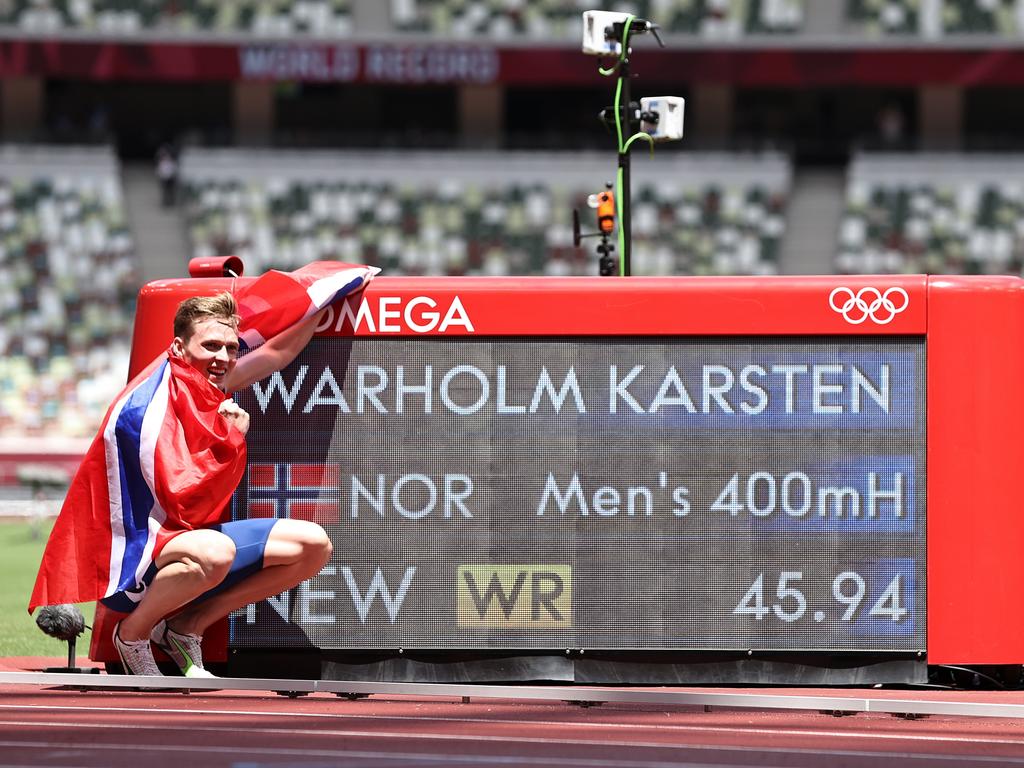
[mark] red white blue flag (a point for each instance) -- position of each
(165, 460)
(279, 300)
(300, 491)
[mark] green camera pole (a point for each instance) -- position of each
(625, 124)
(624, 191)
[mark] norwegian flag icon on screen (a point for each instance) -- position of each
(297, 491)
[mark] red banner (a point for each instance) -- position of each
(458, 63)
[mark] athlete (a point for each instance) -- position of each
(202, 572)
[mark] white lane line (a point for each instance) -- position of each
(137, 726)
(136, 748)
(868, 735)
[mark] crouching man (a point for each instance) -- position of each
(142, 527)
(202, 574)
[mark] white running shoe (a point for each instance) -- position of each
(186, 650)
(136, 655)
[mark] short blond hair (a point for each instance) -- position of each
(222, 307)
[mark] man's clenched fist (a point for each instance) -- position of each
(231, 411)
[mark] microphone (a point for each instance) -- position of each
(64, 622)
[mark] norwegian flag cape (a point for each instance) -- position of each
(165, 461)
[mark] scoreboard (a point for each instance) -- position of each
(601, 492)
(790, 464)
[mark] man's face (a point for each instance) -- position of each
(212, 349)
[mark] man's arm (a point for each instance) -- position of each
(272, 356)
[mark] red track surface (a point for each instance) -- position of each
(48, 727)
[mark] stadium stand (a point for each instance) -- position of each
(526, 20)
(561, 19)
(67, 289)
(883, 18)
(481, 213)
(933, 213)
(935, 18)
(529, 19)
(273, 18)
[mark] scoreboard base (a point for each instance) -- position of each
(589, 667)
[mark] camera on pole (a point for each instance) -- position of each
(657, 118)
(604, 203)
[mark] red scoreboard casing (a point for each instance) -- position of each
(973, 331)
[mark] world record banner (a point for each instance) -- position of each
(762, 493)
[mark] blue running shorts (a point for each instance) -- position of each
(250, 537)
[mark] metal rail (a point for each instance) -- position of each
(584, 695)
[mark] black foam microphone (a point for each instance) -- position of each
(64, 622)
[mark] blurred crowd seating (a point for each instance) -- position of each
(67, 289)
(937, 214)
(936, 18)
(562, 19)
(540, 19)
(482, 213)
(128, 17)
(546, 20)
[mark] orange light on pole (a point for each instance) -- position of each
(606, 212)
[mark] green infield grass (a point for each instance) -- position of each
(21, 549)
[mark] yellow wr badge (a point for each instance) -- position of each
(515, 596)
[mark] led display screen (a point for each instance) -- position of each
(597, 492)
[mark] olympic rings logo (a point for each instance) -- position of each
(868, 303)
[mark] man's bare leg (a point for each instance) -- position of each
(189, 564)
(296, 550)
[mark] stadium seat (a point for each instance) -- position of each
(548, 20)
(935, 18)
(933, 214)
(562, 19)
(68, 279)
(493, 214)
(119, 18)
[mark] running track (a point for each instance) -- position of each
(47, 727)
